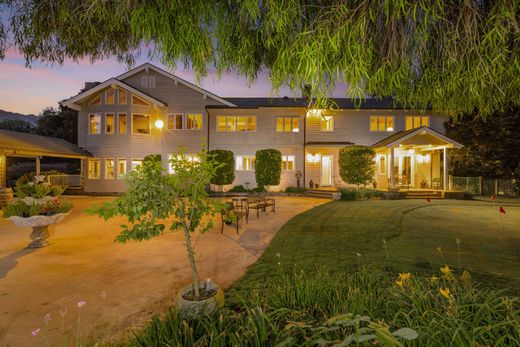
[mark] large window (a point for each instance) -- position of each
(288, 162)
(136, 163)
(140, 124)
(236, 123)
(382, 123)
(413, 122)
(94, 124)
(327, 123)
(110, 97)
(175, 121)
(109, 123)
(94, 169)
(245, 162)
(121, 168)
(122, 123)
(193, 121)
(285, 124)
(122, 96)
(109, 169)
(138, 101)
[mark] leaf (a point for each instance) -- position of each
(340, 317)
(406, 333)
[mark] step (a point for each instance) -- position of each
(319, 193)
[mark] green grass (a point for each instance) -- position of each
(332, 235)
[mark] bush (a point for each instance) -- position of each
(239, 189)
(360, 194)
(225, 172)
(268, 167)
(356, 164)
(294, 190)
(29, 177)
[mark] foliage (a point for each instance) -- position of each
(360, 194)
(225, 173)
(61, 123)
(29, 177)
(516, 183)
(49, 208)
(239, 189)
(17, 125)
(268, 167)
(422, 52)
(37, 190)
(356, 164)
(295, 190)
(154, 200)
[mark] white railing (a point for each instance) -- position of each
(65, 180)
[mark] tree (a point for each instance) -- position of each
(268, 167)
(62, 123)
(356, 164)
(225, 172)
(421, 52)
(17, 125)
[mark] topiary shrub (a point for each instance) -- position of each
(268, 167)
(239, 189)
(356, 164)
(225, 171)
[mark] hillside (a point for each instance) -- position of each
(30, 118)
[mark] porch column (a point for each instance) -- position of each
(445, 168)
(38, 166)
(392, 163)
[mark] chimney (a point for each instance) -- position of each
(90, 85)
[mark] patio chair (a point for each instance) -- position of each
(436, 183)
(236, 211)
(255, 203)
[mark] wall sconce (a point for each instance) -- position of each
(313, 158)
(423, 158)
(314, 112)
(159, 124)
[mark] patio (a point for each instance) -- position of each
(122, 284)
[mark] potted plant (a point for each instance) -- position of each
(155, 203)
(37, 205)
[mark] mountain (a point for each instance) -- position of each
(29, 118)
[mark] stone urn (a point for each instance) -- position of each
(40, 227)
(207, 306)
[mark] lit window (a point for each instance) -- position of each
(413, 122)
(110, 96)
(288, 162)
(94, 124)
(151, 82)
(122, 97)
(327, 123)
(109, 123)
(381, 123)
(189, 157)
(94, 169)
(138, 101)
(136, 163)
(109, 169)
(236, 123)
(245, 162)
(122, 123)
(121, 168)
(174, 121)
(287, 124)
(141, 124)
(194, 121)
(96, 101)
(382, 165)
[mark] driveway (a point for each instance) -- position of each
(122, 284)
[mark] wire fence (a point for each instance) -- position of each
(483, 186)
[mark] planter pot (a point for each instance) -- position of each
(199, 308)
(336, 196)
(40, 226)
(6, 196)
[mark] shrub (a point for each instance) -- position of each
(294, 190)
(356, 164)
(225, 170)
(49, 208)
(239, 189)
(268, 167)
(360, 194)
(516, 181)
(29, 177)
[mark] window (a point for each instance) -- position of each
(236, 123)
(136, 163)
(174, 121)
(381, 123)
(286, 124)
(382, 165)
(141, 124)
(109, 169)
(245, 162)
(327, 123)
(194, 121)
(109, 123)
(110, 96)
(288, 162)
(188, 157)
(151, 82)
(144, 81)
(138, 101)
(122, 124)
(121, 168)
(121, 96)
(94, 126)
(96, 101)
(413, 122)
(93, 169)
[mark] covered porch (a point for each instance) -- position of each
(413, 159)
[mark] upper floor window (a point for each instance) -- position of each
(382, 123)
(109, 169)
(148, 81)
(136, 163)
(193, 121)
(94, 169)
(144, 81)
(287, 124)
(122, 123)
(245, 162)
(122, 96)
(96, 101)
(140, 124)
(288, 162)
(109, 123)
(151, 82)
(110, 97)
(175, 121)
(327, 123)
(413, 122)
(121, 168)
(94, 124)
(236, 123)
(138, 101)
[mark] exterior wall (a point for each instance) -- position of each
(313, 169)
(2, 170)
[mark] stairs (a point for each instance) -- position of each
(318, 193)
(424, 194)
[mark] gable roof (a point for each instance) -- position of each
(185, 83)
(72, 102)
(342, 103)
(14, 142)
(402, 136)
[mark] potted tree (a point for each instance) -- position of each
(155, 203)
(37, 205)
(268, 167)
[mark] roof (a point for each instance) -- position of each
(329, 143)
(342, 103)
(29, 144)
(403, 136)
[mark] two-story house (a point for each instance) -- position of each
(150, 111)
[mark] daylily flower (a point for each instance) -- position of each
(400, 283)
(445, 292)
(434, 279)
(405, 276)
(446, 270)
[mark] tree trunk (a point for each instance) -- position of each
(191, 257)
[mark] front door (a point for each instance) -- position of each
(406, 174)
(326, 170)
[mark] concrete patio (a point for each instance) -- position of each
(122, 284)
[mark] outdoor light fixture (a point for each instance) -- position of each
(314, 112)
(313, 158)
(159, 124)
(423, 158)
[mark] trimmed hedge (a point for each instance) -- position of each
(356, 164)
(225, 172)
(268, 167)
(361, 194)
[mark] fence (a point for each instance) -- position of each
(482, 186)
(65, 180)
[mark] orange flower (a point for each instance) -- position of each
(405, 276)
(400, 283)
(446, 270)
(445, 292)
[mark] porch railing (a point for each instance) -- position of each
(66, 180)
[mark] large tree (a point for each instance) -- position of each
(456, 56)
(61, 123)
(17, 125)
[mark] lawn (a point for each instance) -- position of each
(419, 237)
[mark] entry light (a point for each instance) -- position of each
(159, 124)
(313, 158)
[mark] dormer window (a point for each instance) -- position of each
(110, 97)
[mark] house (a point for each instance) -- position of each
(150, 111)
